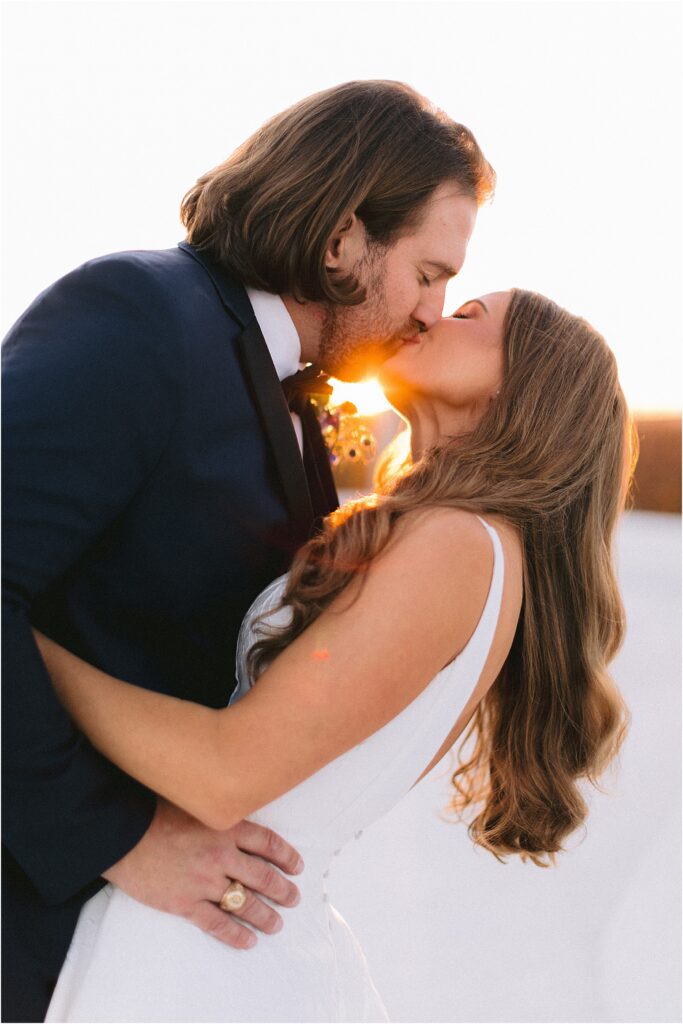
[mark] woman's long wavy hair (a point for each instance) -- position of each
(553, 455)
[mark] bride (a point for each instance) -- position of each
(475, 588)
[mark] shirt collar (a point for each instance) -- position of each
(278, 330)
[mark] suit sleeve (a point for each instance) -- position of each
(91, 392)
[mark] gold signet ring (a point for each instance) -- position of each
(233, 898)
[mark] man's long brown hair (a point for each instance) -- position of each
(553, 455)
(374, 148)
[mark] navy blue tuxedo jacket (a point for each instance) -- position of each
(153, 485)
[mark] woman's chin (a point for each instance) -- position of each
(392, 372)
(397, 393)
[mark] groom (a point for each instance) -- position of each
(156, 481)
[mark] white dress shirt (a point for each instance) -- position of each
(282, 339)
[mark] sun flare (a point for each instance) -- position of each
(366, 395)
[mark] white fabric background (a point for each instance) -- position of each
(453, 935)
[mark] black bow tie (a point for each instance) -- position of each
(309, 381)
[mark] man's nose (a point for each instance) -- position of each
(430, 308)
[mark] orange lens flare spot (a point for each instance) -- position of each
(322, 654)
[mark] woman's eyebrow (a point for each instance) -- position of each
(469, 303)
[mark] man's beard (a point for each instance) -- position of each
(356, 340)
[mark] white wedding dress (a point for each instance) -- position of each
(128, 962)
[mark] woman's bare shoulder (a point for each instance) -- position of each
(455, 530)
(455, 540)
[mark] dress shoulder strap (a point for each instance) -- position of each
(489, 617)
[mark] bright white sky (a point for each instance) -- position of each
(113, 109)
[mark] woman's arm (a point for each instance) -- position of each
(353, 670)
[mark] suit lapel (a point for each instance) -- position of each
(267, 394)
(277, 425)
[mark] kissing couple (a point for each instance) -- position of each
(170, 513)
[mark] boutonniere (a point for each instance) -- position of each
(347, 436)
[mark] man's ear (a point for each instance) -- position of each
(347, 244)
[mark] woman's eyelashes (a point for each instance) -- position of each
(459, 316)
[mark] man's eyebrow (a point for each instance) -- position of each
(443, 267)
